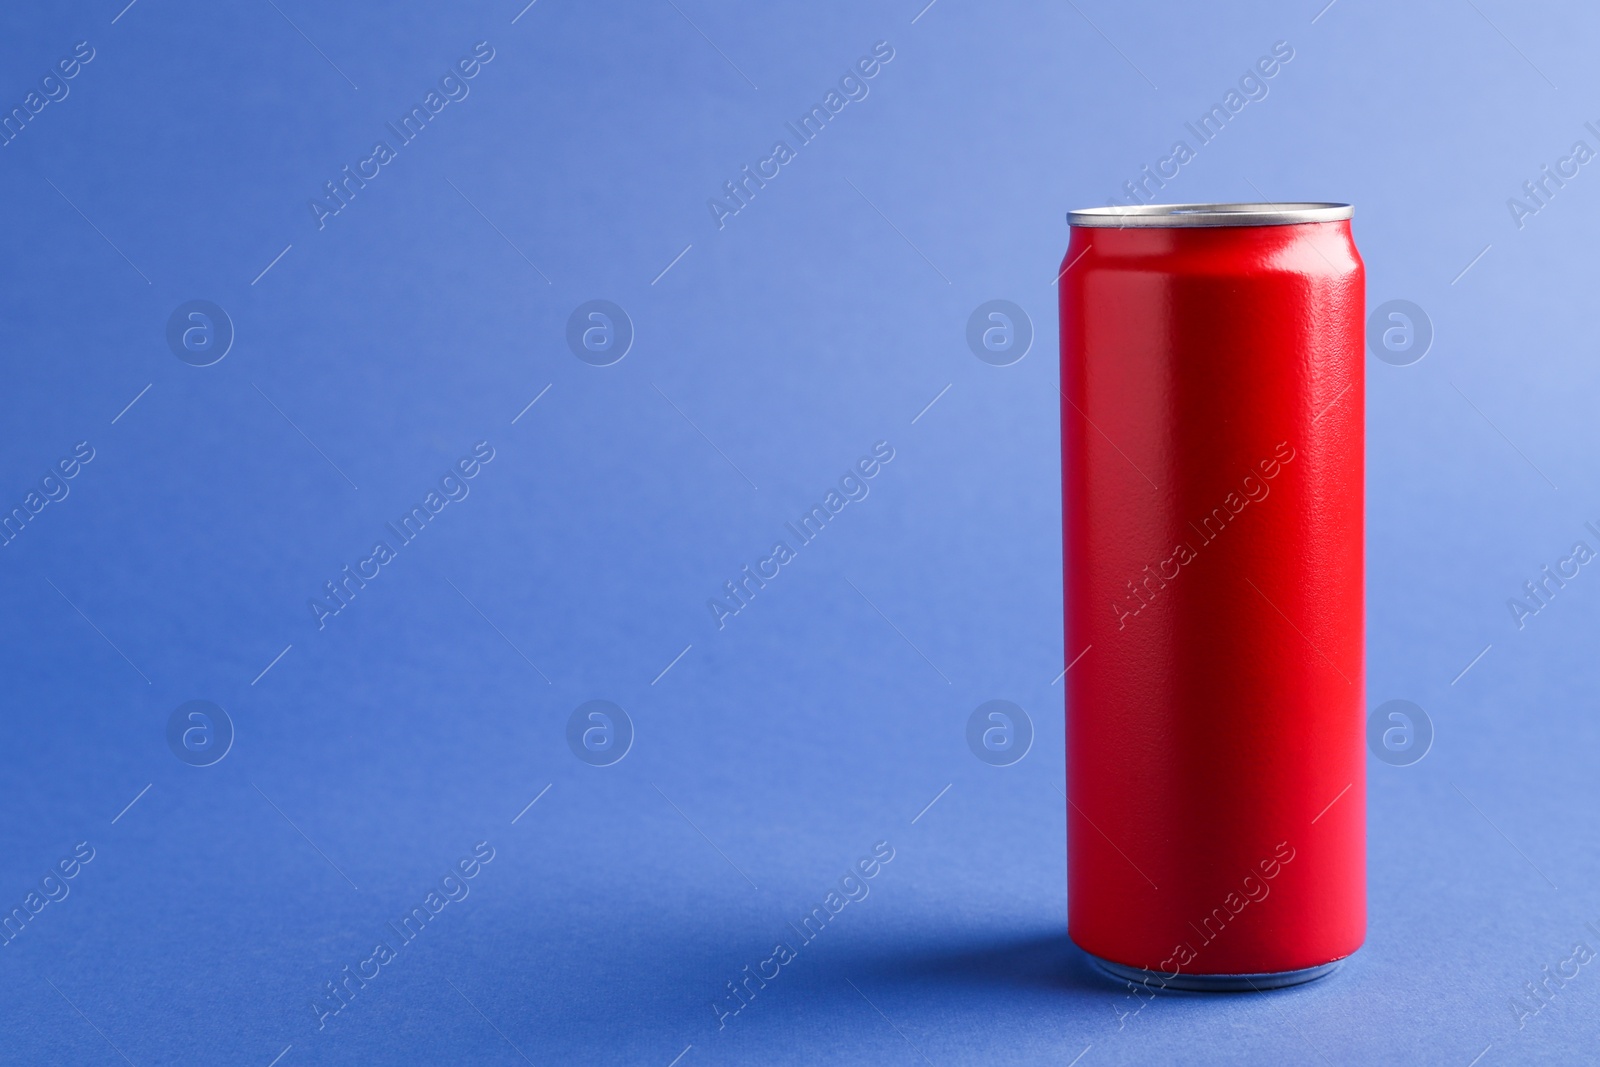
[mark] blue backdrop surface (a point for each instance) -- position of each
(311, 416)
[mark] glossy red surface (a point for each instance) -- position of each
(1212, 465)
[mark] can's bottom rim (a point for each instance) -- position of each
(1217, 983)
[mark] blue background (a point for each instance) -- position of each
(828, 714)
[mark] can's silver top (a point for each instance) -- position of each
(1172, 216)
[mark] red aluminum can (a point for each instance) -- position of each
(1212, 448)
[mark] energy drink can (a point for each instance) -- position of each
(1212, 446)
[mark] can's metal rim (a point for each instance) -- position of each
(1217, 983)
(1183, 216)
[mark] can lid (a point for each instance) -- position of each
(1171, 216)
